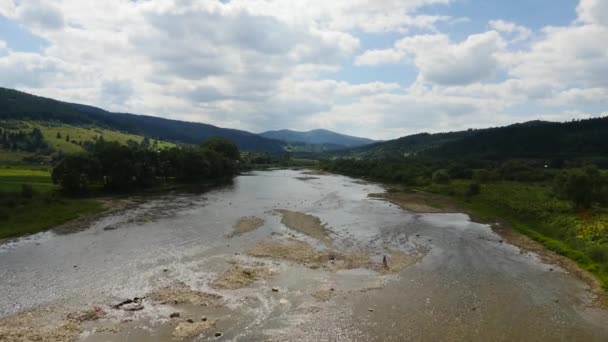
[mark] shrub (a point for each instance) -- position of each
(441, 176)
(27, 191)
(473, 189)
(599, 253)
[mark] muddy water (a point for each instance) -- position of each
(467, 285)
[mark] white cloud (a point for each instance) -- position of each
(376, 57)
(265, 64)
(441, 61)
(40, 15)
(593, 12)
(445, 63)
(519, 32)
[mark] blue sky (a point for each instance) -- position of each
(375, 68)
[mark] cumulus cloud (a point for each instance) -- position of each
(266, 64)
(518, 32)
(593, 12)
(441, 61)
(377, 57)
(40, 15)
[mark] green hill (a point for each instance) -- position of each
(577, 139)
(16, 105)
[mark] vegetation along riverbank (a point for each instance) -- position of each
(36, 197)
(564, 209)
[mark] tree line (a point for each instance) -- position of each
(120, 168)
(585, 186)
(30, 141)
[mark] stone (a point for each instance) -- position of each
(132, 307)
(174, 315)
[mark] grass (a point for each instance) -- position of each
(20, 215)
(41, 213)
(533, 210)
(76, 133)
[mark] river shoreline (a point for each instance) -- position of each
(429, 203)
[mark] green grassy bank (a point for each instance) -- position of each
(30, 203)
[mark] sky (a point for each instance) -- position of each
(375, 68)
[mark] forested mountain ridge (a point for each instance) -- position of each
(22, 106)
(317, 136)
(535, 140)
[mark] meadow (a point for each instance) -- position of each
(30, 202)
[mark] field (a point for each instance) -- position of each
(57, 134)
(23, 212)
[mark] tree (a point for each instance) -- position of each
(584, 187)
(75, 172)
(222, 146)
(441, 176)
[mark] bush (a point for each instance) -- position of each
(584, 187)
(27, 191)
(441, 176)
(599, 253)
(473, 189)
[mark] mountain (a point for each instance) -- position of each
(22, 106)
(577, 139)
(317, 136)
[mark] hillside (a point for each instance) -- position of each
(332, 140)
(18, 105)
(581, 139)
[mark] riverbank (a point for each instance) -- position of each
(31, 203)
(515, 229)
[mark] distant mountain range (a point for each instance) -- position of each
(318, 136)
(18, 105)
(577, 139)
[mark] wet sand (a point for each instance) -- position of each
(247, 224)
(317, 260)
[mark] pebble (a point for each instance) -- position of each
(204, 319)
(190, 320)
(274, 289)
(174, 315)
(218, 334)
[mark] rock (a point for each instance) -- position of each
(370, 310)
(204, 319)
(119, 305)
(274, 289)
(132, 307)
(500, 241)
(166, 270)
(417, 235)
(551, 269)
(218, 334)
(75, 266)
(174, 315)
(190, 320)
(473, 309)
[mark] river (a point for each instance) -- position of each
(364, 271)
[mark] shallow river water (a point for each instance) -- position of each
(465, 283)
